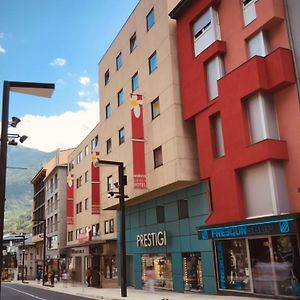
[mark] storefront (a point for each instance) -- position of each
(258, 256)
(161, 239)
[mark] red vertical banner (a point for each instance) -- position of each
(138, 143)
(70, 199)
(95, 185)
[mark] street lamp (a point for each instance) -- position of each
(121, 197)
(23, 254)
(44, 246)
(31, 88)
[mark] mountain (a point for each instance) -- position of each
(22, 165)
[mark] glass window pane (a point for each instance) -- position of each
(155, 108)
(150, 19)
(120, 97)
(152, 62)
(135, 82)
(233, 265)
(119, 61)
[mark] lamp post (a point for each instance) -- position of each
(44, 246)
(23, 254)
(31, 88)
(121, 197)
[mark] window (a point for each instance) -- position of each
(55, 201)
(133, 42)
(158, 160)
(217, 135)
(95, 229)
(265, 190)
(183, 209)
(79, 182)
(214, 71)
(86, 150)
(121, 135)
(55, 222)
(119, 61)
(135, 82)
(71, 165)
(94, 142)
(160, 214)
(106, 227)
(150, 19)
(262, 118)
(106, 77)
(249, 11)
(257, 45)
(205, 30)
(86, 204)
(78, 207)
(120, 97)
(109, 183)
(70, 236)
(86, 176)
(155, 108)
(55, 181)
(111, 226)
(152, 61)
(108, 146)
(107, 111)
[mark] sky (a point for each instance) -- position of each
(61, 42)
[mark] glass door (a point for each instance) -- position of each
(263, 274)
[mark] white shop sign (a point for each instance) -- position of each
(153, 239)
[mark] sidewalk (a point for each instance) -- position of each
(132, 294)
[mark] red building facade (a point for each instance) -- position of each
(238, 85)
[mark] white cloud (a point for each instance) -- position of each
(58, 62)
(2, 50)
(84, 80)
(62, 131)
(83, 93)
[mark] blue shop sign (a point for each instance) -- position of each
(280, 226)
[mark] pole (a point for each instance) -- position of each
(3, 161)
(44, 254)
(122, 222)
(122, 231)
(23, 258)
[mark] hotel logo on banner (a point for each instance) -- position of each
(138, 148)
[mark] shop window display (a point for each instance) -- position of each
(233, 265)
(192, 271)
(161, 265)
(287, 264)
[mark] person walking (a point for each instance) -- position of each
(88, 277)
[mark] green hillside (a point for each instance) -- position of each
(23, 163)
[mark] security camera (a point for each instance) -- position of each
(110, 194)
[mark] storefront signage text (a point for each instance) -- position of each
(152, 239)
(259, 228)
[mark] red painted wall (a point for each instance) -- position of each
(272, 73)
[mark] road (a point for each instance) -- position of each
(10, 291)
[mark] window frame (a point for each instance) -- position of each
(119, 61)
(106, 77)
(183, 209)
(122, 135)
(132, 42)
(160, 214)
(150, 21)
(155, 101)
(107, 111)
(135, 81)
(152, 59)
(121, 92)
(158, 161)
(109, 183)
(109, 146)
